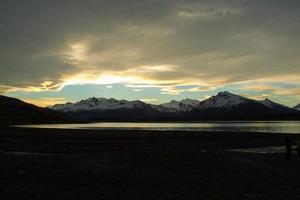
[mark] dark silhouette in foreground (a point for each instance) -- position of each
(15, 111)
(84, 164)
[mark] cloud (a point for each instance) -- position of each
(257, 97)
(148, 43)
(201, 88)
(149, 100)
(280, 89)
(137, 90)
(158, 68)
(265, 88)
(171, 91)
(192, 13)
(176, 90)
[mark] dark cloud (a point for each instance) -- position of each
(221, 41)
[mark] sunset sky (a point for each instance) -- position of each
(156, 50)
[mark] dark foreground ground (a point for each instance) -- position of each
(82, 164)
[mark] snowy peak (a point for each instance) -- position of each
(98, 104)
(179, 106)
(171, 104)
(223, 99)
(267, 102)
(277, 106)
(190, 102)
(297, 107)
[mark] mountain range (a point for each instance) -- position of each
(223, 106)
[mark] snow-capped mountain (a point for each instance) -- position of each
(224, 105)
(297, 107)
(221, 100)
(271, 104)
(98, 104)
(98, 109)
(92, 104)
(184, 105)
(228, 106)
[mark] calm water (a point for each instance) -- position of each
(257, 126)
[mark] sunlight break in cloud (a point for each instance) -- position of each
(164, 44)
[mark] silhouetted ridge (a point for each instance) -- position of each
(15, 111)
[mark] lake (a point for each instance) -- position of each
(236, 126)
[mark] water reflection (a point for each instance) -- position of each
(253, 126)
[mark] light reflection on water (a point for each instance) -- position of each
(253, 126)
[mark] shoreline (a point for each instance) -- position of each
(85, 164)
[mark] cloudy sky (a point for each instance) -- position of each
(57, 51)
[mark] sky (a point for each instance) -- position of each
(56, 51)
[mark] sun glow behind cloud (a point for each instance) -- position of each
(77, 52)
(131, 77)
(175, 48)
(102, 80)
